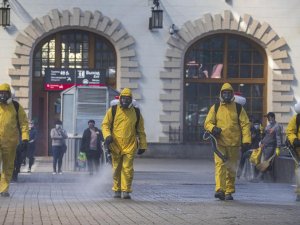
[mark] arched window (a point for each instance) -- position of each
(75, 49)
(211, 62)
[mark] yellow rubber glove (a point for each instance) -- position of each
(277, 151)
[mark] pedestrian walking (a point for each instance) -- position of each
(229, 123)
(58, 136)
(123, 131)
(13, 127)
(31, 145)
(91, 145)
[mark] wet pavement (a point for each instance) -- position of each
(166, 191)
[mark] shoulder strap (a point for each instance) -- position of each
(238, 111)
(298, 121)
(16, 105)
(216, 107)
(138, 114)
(113, 112)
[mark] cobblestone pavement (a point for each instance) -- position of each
(165, 192)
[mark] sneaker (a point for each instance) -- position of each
(54, 173)
(298, 198)
(60, 173)
(126, 195)
(228, 197)
(29, 171)
(117, 194)
(220, 195)
(5, 194)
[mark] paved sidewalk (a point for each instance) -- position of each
(165, 192)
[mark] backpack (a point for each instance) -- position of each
(137, 113)
(238, 109)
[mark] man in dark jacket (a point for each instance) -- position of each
(91, 146)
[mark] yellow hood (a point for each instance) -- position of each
(126, 92)
(226, 86)
(5, 87)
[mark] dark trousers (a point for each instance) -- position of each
(20, 156)
(30, 154)
(58, 154)
(93, 160)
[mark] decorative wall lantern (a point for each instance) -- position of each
(156, 20)
(5, 14)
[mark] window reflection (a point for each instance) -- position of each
(44, 57)
(202, 71)
(196, 70)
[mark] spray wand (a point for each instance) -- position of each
(207, 135)
(292, 152)
(107, 154)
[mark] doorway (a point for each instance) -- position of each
(65, 49)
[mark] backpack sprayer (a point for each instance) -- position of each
(207, 135)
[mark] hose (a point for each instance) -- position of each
(206, 136)
(292, 152)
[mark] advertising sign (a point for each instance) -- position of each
(60, 79)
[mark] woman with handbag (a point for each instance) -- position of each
(58, 136)
(91, 145)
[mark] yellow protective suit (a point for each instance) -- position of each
(126, 140)
(234, 132)
(9, 137)
(291, 134)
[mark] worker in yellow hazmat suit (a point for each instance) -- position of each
(293, 136)
(230, 130)
(123, 131)
(10, 135)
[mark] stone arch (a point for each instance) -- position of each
(262, 33)
(128, 67)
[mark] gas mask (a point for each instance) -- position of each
(5, 96)
(125, 102)
(227, 96)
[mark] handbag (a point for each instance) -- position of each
(81, 160)
(256, 156)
